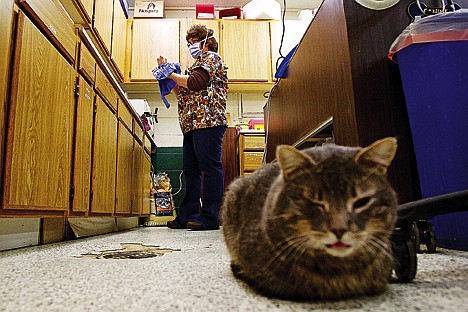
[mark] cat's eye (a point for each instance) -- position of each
(361, 203)
(319, 205)
(319, 195)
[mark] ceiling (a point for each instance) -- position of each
(290, 4)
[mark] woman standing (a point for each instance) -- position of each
(202, 95)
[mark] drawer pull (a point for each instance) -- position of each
(53, 30)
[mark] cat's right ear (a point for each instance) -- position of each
(292, 161)
(378, 155)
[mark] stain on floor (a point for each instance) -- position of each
(130, 251)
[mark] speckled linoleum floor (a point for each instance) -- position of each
(192, 275)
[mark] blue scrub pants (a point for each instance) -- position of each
(202, 152)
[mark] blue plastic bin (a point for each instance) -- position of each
(435, 84)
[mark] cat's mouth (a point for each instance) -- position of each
(339, 245)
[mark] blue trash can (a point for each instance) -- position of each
(433, 62)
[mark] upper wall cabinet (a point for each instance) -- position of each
(151, 39)
(87, 6)
(6, 18)
(186, 60)
(55, 22)
(86, 63)
(246, 50)
(39, 139)
(103, 12)
(119, 38)
(294, 31)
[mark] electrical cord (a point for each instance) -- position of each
(282, 36)
(268, 94)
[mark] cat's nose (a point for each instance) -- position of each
(339, 233)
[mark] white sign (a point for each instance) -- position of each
(148, 9)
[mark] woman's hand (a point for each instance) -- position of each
(161, 60)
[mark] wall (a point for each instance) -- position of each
(240, 106)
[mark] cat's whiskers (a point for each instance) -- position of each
(294, 247)
(281, 216)
(288, 245)
(380, 245)
(383, 231)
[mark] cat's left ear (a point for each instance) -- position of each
(292, 161)
(379, 154)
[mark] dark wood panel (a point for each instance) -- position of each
(380, 104)
(341, 69)
(319, 83)
(229, 156)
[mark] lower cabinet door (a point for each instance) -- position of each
(137, 204)
(146, 184)
(6, 28)
(124, 171)
(83, 148)
(104, 159)
(39, 139)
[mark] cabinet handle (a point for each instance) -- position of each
(53, 30)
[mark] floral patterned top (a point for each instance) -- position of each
(205, 108)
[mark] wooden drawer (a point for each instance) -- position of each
(137, 131)
(87, 65)
(104, 87)
(124, 114)
(252, 160)
(147, 144)
(254, 142)
(55, 22)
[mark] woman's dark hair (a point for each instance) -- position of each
(199, 33)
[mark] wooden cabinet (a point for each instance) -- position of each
(6, 25)
(103, 12)
(186, 60)
(55, 22)
(39, 141)
(83, 148)
(152, 38)
(146, 184)
(244, 46)
(138, 131)
(138, 179)
(125, 115)
(86, 64)
(105, 88)
(246, 50)
(251, 150)
(141, 181)
(124, 170)
(88, 8)
(104, 159)
(119, 38)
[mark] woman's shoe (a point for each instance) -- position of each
(197, 226)
(174, 225)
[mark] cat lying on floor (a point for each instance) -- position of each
(316, 224)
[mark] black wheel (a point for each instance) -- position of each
(416, 236)
(406, 261)
(431, 240)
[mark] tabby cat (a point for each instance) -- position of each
(316, 224)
